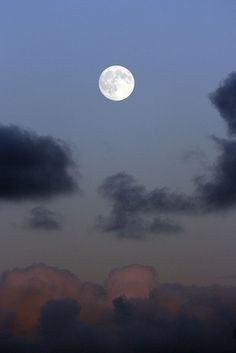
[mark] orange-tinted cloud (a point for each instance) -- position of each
(48, 309)
(25, 291)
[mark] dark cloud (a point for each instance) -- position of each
(58, 316)
(33, 166)
(7, 319)
(145, 326)
(218, 191)
(41, 218)
(224, 99)
(60, 328)
(137, 212)
(9, 343)
(147, 317)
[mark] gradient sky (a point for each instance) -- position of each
(51, 56)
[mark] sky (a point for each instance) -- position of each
(51, 56)
(117, 218)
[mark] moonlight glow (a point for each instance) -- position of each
(116, 83)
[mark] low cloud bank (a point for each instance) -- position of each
(44, 309)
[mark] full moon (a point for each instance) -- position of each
(116, 83)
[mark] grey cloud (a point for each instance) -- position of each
(41, 218)
(137, 212)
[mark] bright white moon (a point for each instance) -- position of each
(116, 83)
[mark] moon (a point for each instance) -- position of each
(116, 83)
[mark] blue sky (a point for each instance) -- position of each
(51, 56)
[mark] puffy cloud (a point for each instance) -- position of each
(34, 166)
(134, 281)
(146, 315)
(25, 291)
(41, 218)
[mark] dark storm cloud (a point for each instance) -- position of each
(224, 99)
(137, 212)
(148, 317)
(33, 166)
(218, 192)
(41, 218)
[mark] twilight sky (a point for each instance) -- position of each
(51, 56)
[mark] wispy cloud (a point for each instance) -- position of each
(137, 212)
(41, 218)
